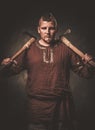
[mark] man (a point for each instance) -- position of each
(48, 63)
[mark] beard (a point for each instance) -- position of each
(48, 39)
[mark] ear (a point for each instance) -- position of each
(38, 29)
(56, 29)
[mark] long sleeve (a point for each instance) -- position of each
(13, 69)
(82, 69)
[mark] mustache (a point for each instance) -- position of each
(48, 35)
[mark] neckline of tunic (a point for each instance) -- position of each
(45, 47)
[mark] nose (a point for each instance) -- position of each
(47, 30)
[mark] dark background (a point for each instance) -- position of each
(16, 18)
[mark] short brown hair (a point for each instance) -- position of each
(48, 17)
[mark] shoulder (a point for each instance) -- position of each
(62, 45)
(32, 45)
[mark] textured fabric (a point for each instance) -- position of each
(48, 127)
(48, 90)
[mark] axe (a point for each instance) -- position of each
(23, 48)
(72, 47)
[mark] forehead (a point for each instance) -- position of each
(46, 23)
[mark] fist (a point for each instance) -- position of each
(6, 61)
(87, 58)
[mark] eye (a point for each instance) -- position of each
(52, 28)
(43, 28)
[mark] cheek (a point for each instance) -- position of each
(53, 33)
(40, 32)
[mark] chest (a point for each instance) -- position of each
(47, 56)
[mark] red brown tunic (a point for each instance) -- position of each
(47, 87)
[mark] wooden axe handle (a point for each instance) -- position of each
(76, 50)
(26, 46)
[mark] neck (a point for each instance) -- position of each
(43, 43)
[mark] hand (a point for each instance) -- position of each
(8, 61)
(87, 58)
